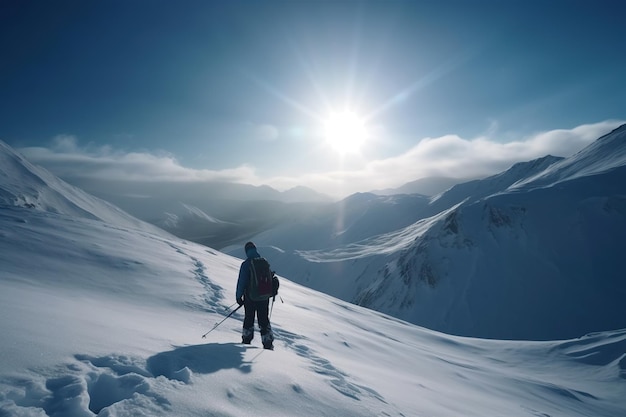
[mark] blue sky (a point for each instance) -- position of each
(243, 90)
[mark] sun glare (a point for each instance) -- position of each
(345, 132)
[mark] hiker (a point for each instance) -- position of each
(254, 296)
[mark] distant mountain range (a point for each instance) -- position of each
(215, 214)
(218, 214)
(534, 252)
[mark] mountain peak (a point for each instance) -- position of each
(302, 194)
(604, 154)
(621, 128)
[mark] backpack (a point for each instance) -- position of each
(263, 284)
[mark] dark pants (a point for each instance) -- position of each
(261, 310)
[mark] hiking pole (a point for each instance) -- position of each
(223, 320)
(272, 307)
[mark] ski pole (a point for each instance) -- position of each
(223, 320)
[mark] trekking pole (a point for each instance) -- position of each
(223, 320)
(272, 307)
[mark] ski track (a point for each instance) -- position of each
(212, 300)
(338, 379)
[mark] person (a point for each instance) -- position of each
(252, 308)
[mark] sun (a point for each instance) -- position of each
(345, 132)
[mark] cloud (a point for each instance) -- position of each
(66, 159)
(449, 155)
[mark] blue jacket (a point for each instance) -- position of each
(244, 273)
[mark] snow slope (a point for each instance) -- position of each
(605, 154)
(531, 253)
(100, 318)
(27, 185)
(551, 240)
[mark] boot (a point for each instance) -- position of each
(247, 334)
(267, 338)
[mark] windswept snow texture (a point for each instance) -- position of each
(535, 252)
(103, 319)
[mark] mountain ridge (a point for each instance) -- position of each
(507, 234)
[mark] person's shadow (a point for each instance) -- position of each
(180, 363)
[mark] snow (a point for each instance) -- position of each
(105, 317)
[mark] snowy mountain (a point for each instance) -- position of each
(603, 156)
(213, 214)
(30, 186)
(301, 194)
(186, 218)
(531, 253)
(102, 317)
(425, 186)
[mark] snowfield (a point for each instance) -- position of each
(103, 320)
(105, 317)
